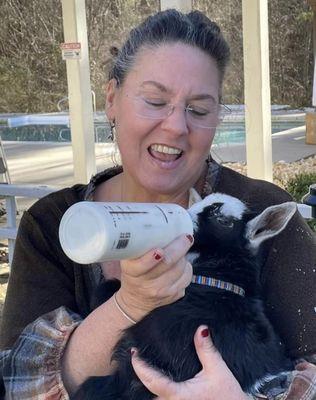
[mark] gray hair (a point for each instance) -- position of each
(172, 26)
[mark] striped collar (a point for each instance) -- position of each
(208, 281)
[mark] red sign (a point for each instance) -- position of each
(71, 51)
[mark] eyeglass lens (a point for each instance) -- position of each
(208, 116)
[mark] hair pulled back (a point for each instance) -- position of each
(172, 26)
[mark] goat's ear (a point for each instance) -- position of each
(269, 223)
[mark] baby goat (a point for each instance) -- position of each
(225, 295)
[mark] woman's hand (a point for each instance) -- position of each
(214, 382)
(155, 279)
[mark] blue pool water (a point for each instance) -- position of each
(235, 133)
(49, 133)
(55, 128)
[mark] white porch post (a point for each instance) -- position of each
(79, 91)
(311, 116)
(181, 5)
(257, 88)
(312, 3)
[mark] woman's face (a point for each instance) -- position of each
(163, 152)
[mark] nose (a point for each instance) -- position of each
(176, 122)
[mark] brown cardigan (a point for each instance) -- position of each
(43, 278)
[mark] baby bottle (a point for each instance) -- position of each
(92, 232)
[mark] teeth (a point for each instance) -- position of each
(165, 149)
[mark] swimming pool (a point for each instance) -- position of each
(49, 133)
(235, 133)
(56, 127)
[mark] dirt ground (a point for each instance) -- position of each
(282, 173)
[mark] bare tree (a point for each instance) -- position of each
(33, 75)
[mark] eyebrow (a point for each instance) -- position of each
(160, 86)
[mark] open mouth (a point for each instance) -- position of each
(164, 153)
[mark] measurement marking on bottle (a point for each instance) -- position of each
(128, 212)
(163, 213)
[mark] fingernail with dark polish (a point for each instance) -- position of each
(157, 256)
(205, 333)
(190, 238)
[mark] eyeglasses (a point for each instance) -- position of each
(208, 116)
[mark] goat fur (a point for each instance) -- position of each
(226, 247)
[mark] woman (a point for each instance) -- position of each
(163, 98)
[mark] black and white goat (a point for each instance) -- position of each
(225, 295)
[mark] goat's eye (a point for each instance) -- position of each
(227, 222)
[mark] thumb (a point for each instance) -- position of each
(155, 381)
(207, 353)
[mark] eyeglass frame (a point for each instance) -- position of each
(171, 107)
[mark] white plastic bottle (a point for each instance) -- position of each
(92, 232)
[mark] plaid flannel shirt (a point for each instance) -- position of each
(32, 368)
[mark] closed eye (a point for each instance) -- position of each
(155, 103)
(197, 111)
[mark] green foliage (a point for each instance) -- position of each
(299, 186)
(305, 17)
(312, 225)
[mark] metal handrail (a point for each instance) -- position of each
(9, 193)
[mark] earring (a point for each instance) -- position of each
(111, 135)
(115, 156)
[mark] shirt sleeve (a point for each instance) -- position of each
(42, 279)
(289, 281)
(301, 384)
(32, 368)
(289, 272)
